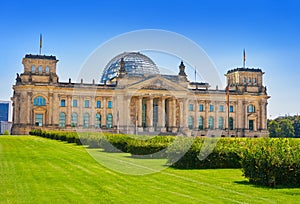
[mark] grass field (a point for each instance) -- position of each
(37, 170)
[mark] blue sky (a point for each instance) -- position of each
(268, 30)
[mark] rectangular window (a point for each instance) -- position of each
(63, 103)
(211, 108)
(191, 107)
(251, 125)
(201, 108)
(98, 105)
(75, 103)
(39, 120)
(230, 109)
(221, 108)
(109, 104)
(86, 103)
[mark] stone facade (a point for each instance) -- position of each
(140, 104)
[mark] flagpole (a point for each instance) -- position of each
(244, 59)
(195, 75)
(41, 42)
(228, 109)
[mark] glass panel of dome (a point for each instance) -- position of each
(135, 64)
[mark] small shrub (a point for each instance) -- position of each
(6, 132)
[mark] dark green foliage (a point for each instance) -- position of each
(272, 162)
(288, 126)
(273, 128)
(206, 153)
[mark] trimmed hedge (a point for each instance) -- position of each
(224, 154)
(268, 162)
(136, 145)
(272, 162)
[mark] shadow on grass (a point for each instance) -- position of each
(247, 183)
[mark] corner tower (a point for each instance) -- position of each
(38, 69)
(246, 80)
(33, 93)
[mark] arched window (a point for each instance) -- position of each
(190, 122)
(211, 122)
(86, 120)
(251, 108)
(32, 68)
(221, 123)
(249, 80)
(231, 123)
(109, 121)
(47, 69)
(98, 121)
(40, 69)
(62, 119)
(200, 123)
(39, 101)
(74, 120)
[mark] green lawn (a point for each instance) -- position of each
(37, 170)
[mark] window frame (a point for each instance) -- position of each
(191, 107)
(211, 108)
(201, 108)
(98, 104)
(75, 103)
(86, 103)
(63, 103)
(109, 104)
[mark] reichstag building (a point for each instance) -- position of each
(133, 97)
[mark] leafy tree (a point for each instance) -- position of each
(273, 127)
(286, 128)
(296, 125)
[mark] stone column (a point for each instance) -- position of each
(185, 113)
(196, 114)
(216, 118)
(235, 122)
(172, 115)
(240, 109)
(150, 114)
(103, 117)
(206, 108)
(263, 115)
(140, 111)
(55, 109)
(29, 109)
(162, 115)
(69, 111)
(245, 115)
(50, 109)
(114, 111)
(92, 112)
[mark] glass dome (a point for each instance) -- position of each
(135, 64)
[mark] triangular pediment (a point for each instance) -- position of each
(157, 83)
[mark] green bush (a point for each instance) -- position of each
(6, 132)
(272, 162)
(150, 148)
(200, 155)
